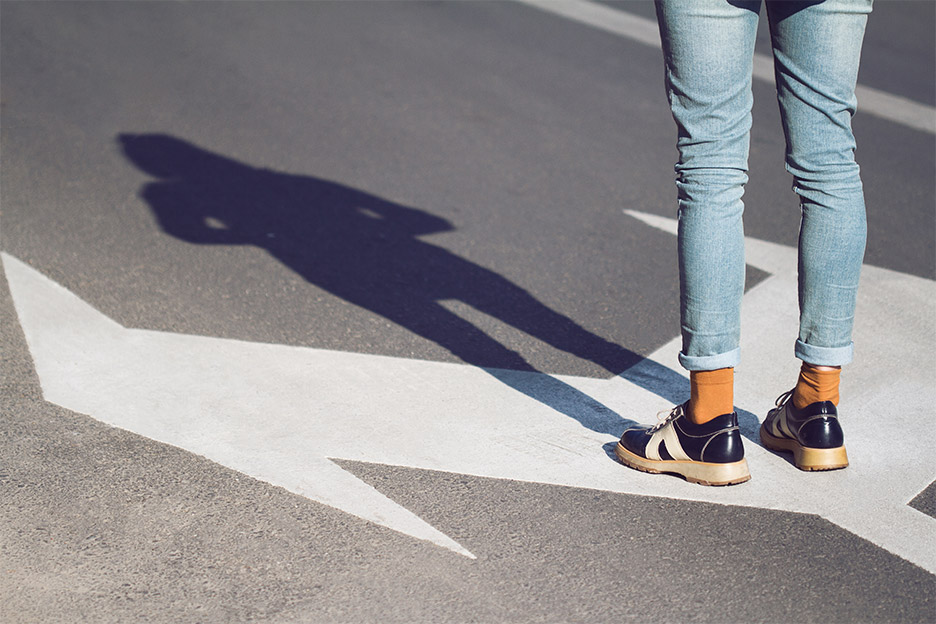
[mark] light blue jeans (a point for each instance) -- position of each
(708, 48)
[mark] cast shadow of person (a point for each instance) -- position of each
(367, 251)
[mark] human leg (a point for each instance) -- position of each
(817, 49)
(708, 48)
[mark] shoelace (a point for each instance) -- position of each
(662, 422)
(782, 400)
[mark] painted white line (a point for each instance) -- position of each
(281, 413)
(870, 101)
(604, 18)
(896, 108)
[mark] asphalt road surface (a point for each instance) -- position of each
(443, 213)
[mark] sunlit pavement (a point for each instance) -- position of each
(331, 312)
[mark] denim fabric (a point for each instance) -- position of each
(708, 48)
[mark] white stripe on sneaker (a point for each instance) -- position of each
(668, 436)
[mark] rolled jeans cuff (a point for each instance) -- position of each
(711, 362)
(824, 356)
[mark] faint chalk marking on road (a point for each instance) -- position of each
(871, 101)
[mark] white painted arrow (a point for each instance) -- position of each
(281, 413)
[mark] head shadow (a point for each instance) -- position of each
(367, 251)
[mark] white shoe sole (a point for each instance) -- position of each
(703, 473)
(805, 457)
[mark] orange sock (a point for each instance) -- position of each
(816, 385)
(712, 394)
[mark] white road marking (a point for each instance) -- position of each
(281, 413)
(871, 101)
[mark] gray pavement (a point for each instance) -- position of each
(189, 169)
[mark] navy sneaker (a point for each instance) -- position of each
(709, 454)
(813, 434)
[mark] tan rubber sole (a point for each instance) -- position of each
(703, 473)
(806, 458)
